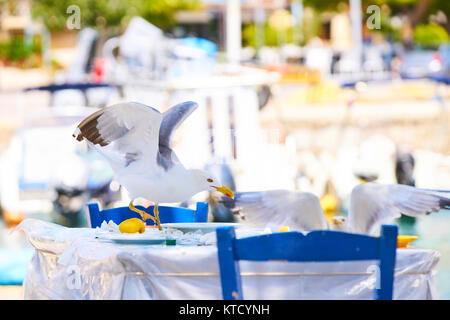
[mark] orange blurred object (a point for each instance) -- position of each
(13, 217)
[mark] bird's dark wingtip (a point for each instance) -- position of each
(444, 203)
(228, 202)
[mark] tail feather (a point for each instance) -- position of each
(437, 191)
(228, 202)
(442, 195)
(239, 199)
(444, 203)
(233, 205)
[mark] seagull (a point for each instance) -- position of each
(135, 139)
(371, 204)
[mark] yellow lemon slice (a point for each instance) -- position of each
(284, 229)
(132, 225)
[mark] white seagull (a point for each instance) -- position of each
(136, 141)
(371, 204)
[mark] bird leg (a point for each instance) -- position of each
(142, 213)
(156, 213)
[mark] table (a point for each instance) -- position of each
(69, 263)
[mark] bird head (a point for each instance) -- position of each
(339, 223)
(366, 177)
(210, 182)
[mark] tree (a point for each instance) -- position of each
(418, 13)
(416, 10)
(109, 13)
(430, 35)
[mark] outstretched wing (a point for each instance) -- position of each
(124, 133)
(373, 204)
(172, 119)
(278, 208)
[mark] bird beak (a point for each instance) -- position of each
(225, 191)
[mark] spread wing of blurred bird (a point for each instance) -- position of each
(371, 205)
(279, 208)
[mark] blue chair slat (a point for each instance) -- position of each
(230, 274)
(315, 246)
(201, 212)
(388, 250)
(166, 214)
(320, 246)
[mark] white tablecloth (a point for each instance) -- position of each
(70, 263)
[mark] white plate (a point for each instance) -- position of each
(204, 227)
(134, 238)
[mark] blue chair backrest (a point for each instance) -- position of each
(166, 214)
(317, 245)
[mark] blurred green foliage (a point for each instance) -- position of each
(385, 25)
(417, 11)
(310, 27)
(272, 37)
(109, 13)
(430, 35)
(21, 52)
(396, 6)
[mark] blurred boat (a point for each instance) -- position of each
(138, 57)
(42, 163)
(443, 75)
(418, 64)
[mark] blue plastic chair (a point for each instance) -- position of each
(166, 214)
(317, 245)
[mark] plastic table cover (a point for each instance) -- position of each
(70, 263)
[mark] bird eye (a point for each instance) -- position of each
(209, 180)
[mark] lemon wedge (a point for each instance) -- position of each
(132, 225)
(403, 241)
